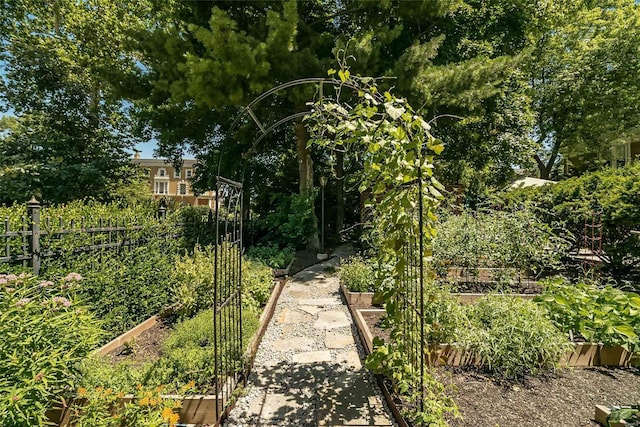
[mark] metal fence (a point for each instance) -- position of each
(29, 241)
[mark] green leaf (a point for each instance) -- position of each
(625, 330)
(393, 111)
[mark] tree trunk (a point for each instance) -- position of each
(546, 168)
(339, 191)
(305, 168)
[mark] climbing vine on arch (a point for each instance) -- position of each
(397, 151)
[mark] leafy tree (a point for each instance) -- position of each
(450, 56)
(65, 69)
(583, 81)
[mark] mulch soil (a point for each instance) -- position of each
(565, 398)
(144, 348)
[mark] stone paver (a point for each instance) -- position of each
(312, 357)
(308, 370)
(301, 344)
(337, 340)
(320, 301)
(332, 320)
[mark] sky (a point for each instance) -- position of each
(146, 149)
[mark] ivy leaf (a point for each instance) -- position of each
(344, 75)
(392, 111)
(626, 330)
(331, 72)
(437, 148)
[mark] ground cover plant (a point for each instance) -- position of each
(45, 334)
(602, 315)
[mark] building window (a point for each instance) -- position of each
(176, 173)
(182, 189)
(189, 173)
(161, 188)
(147, 172)
(162, 172)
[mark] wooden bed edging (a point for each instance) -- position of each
(585, 354)
(282, 272)
(602, 412)
(127, 336)
(366, 299)
(196, 409)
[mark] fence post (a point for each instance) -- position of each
(33, 209)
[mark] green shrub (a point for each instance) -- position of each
(257, 282)
(193, 281)
(357, 274)
(515, 239)
(613, 192)
(513, 337)
(271, 255)
(45, 334)
(290, 223)
(125, 288)
(605, 315)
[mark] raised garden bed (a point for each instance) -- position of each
(359, 299)
(584, 355)
(367, 299)
(563, 398)
(195, 409)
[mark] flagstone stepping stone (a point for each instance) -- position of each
(291, 316)
(349, 400)
(332, 320)
(299, 291)
(275, 407)
(320, 301)
(311, 309)
(312, 357)
(350, 358)
(294, 344)
(336, 340)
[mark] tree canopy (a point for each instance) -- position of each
(66, 69)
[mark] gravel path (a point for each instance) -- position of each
(308, 369)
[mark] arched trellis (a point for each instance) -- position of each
(227, 291)
(249, 109)
(405, 203)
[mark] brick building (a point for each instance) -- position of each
(166, 182)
